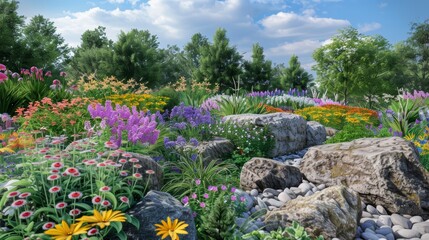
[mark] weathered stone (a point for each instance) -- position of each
(330, 131)
(147, 163)
(316, 134)
(289, 130)
(408, 233)
(400, 220)
(332, 212)
(154, 207)
(215, 149)
(284, 197)
(384, 171)
(261, 173)
(421, 227)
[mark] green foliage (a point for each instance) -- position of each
(402, 114)
(192, 53)
(172, 94)
(294, 76)
(231, 105)
(217, 224)
(294, 232)
(351, 132)
(10, 97)
(258, 72)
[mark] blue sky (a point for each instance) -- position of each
(282, 27)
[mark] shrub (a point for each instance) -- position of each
(294, 232)
(231, 105)
(337, 116)
(349, 133)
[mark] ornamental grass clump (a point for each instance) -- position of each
(126, 125)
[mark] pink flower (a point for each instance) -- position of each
(123, 160)
(205, 195)
(134, 160)
(61, 205)
(242, 199)
(202, 204)
(71, 171)
(137, 175)
(139, 166)
(124, 199)
(185, 200)
(110, 144)
(57, 165)
(63, 74)
(24, 195)
(97, 200)
(149, 171)
(18, 203)
(75, 195)
(194, 196)
(53, 171)
(3, 77)
(2, 67)
(48, 225)
(92, 232)
(123, 173)
(54, 189)
(13, 194)
(223, 187)
(127, 155)
(233, 189)
(105, 203)
(197, 181)
(75, 212)
(105, 189)
(25, 214)
(53, 177)
(233, 198)
(102, 164)
(90, 162)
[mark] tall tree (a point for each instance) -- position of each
(258, 72)
(138, 57)
(295, 76)
(10, 29)
(173, 65)
(95, 55)
(220, 63)
(44, 46)
(192, 52)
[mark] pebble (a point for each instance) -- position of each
(371, 209)
(381, 210)
(402, 221)
(425, 236)
(416, 219)
(284, 197)
(369, 236)
(384, 220)
(275, 203)
(408, 233)
(254, 192)
(421, 227)
(271, 191)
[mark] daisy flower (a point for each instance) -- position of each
(124, 199)
(105, 189)
(61, 205)
(25, 214)
(57, 165)
(75, 195)
(137, 175)
(48, 225)
(18, 203)
(54, 189)
(24, 195)
(75, 212)
(53, 177)
(97, 200)
(13, 194)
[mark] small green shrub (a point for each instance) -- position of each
(294, 232)
(351, 132)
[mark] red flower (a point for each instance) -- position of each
(123, 173)
(53, 177)
(92, 232)
(124, 199)
(105, 189)
(150, 171)
(75, 195)
(123, 160)
(55, 171)
(137, 175)
(24, 195)
(133, 160)
(18, 203)
(137, 165)
(48, 225)
(71, 171)
(101, 164)
(97, 200)
(127, 155)
(54, 189)
(25, 214)
(57, 165)
(105, 203)
(75, 212)
(110, 145)
(61, 205)
(13, 194)
(90, 162)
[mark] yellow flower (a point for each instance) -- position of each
(65, 232)
(104, 218)
(171, 229)
(410, 137)
(6, 150)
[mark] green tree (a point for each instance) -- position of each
(137, 57)
(173, 64)
(257, 72)
(417, 54)
(220, 63)
(10, 29)
(192, 53)
(295, 76)
(95, 55)
(44, 47)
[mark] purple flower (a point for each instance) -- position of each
(233, 198)
(197, 181)
(223, 187)
(233, 189)
(202, 204)
(242, 199)
(205, 195)
(194, 142)
(194, 157)
(194, 196)
(185, 200)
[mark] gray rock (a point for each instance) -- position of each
(305, 187)
(396, 228)
(316, 134)
(215, 149)
(402, 221)
(284, 197)
(296, 191)
(321, 186)
(371, 209)
(267, 195)
(261, 204)
(381, 210)
(154, 207)
(275, 203)
(421, 227)
(384, 231)
(369, 236)
(289, 130)
(368, 224)
(262, 173)
(390, 236)
(272, 191)
(366, 214)
(314, 189)
(425, 236)
(333, 212)
(254, 192)
(309, 193)
(416, 219)
(408, 233)
(384, 171)
(384, 220)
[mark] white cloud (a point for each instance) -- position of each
(116, 1)
(368, 27)
(298, 48)
(292, 25)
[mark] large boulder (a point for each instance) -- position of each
(316, 134)
(154, 207)
(147, 163)
(215, 149)
(333, 213)
(289, 130)
(261, 173)
(384, 171)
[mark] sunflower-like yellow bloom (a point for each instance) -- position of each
(6, 150)
(171, 229)
(104, 218)
(65, 232)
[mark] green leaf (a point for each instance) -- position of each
(82, 205)
(111, 198)
(14, 238)
(117, 226)
(29, 227)
(122, 235)
(44, 210)
(99, 184)
(134, 221)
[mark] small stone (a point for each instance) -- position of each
(408, 233)
(240, 221)
(267, 195)
(366, 214)
(254, 192)
(284, 197)
(416, 219)
(384, 220)
(407, 216)
(290, 193)
(315, 189)
(368, 224)
(381, 210)
(305, 187)
(421, 227)
(402, 221)
(371, 209)
(272, 191)
(261, 203)
(425, 236)
(370, 229)
(384, 231)
(321, 186)
(369, 236)
(275, 203)
(396, 228)
(309, 193)
(297, 191)
(390, 236)
(271, 208)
